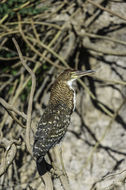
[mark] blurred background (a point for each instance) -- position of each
(52, 36)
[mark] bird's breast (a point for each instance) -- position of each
(64, 94)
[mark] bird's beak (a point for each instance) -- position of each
(78, 74)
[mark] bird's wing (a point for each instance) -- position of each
(51, 128)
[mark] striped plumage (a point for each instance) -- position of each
(56, 118)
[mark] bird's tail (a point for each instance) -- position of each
(42, 166)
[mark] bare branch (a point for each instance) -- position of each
(29, 111)
(12, 108)
(107, 10)
(11, 153)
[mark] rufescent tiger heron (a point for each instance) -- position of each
(56, 118)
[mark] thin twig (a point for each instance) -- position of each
(105, 50)
(29, 111)
(35, 22)
(102, 37)
(49, 49)
(15, 119)
(36, 51)
(12, 108)
(94, 98)
(8, 160)
(107, 10)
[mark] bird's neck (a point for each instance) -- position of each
(63, 93)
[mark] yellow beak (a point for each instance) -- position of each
(78, 74)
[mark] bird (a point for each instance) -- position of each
(55, 120)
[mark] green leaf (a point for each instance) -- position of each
(4, 70)
(23, 97)
(10, 90)
(29, 83)
(13, 72)
(5, 7)
(10, 3)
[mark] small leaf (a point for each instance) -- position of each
(23, 97)
(13, 72)
(10, 90)
(29, 83)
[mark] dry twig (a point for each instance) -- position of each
(29, 111)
